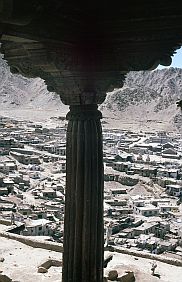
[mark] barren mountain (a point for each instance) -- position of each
(20, 95)
(147, 100)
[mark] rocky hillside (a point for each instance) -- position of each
(147, 100)
(147, 97)
(17, 91)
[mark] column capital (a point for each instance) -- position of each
(84, 112)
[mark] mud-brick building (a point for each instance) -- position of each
(82, 50)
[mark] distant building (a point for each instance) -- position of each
(170, 153)
(25, 159)
(4, 191)
(148, 210)
(169, 173)
(9, 184)
(146, 228)
(174, 190)
(140, 207)
(121, 166)
(164, 208)
(38, 227)
(49, 193)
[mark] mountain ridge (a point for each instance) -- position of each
(147, 99)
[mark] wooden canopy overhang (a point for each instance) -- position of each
(68, 43)
(82, 49)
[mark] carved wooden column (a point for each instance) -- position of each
(83, 230)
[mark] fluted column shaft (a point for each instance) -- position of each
(83, 228)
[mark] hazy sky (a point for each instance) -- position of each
(176, 60)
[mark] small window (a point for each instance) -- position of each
(40, 228)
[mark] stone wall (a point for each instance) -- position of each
(146, 255)
(57, 247)
(5, 222)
